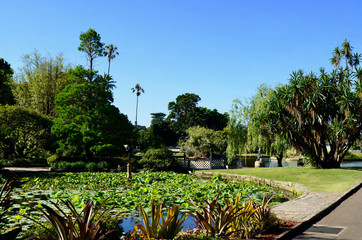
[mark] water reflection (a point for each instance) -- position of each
(351, 164)
(249, 161)
(128, 223)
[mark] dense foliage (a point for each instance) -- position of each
(39, 81)
(160, 159)
(87, 124)
(6, 72)
(321, 114)
(258, 134)
(184, 114)
(201, 141)
(23, 133)
(237, 132)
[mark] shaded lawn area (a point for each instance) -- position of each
(316, 180)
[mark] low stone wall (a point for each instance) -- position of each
(288, 186)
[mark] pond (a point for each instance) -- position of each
(249, 161)
(125, 194)
(128, 223)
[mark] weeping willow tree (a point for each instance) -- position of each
(249, 128)
(236, 131)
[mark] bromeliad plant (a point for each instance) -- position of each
(215, 219)
(167, 229)
(5, 203)
(264, 217)
(236, 218)
(86, 225)
(243, 224)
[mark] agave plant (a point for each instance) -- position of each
(5, 203)
(86, 225)
(153, 229)
(215, 219)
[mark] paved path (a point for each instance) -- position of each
(343, 222)
(306, 207)
(25, 169)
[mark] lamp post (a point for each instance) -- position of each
(128, 160)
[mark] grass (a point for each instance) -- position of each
(316, 180)
(353, 155)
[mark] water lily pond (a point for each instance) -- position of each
(125, 194)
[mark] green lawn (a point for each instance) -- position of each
(316, 180)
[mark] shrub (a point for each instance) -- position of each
(69, 166)
(52, 159)
(160, 159)
(102, 165)
(92, 166)
(78, 166)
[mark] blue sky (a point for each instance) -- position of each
(220, 50)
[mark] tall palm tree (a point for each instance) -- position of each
(138, 89)
(111, 52)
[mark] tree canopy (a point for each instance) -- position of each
(6, 73)
(260, 132)
(40, 80)
(201, 141)
(321, 114)
(184, 113)
(23, 133)
(91, 45)
(87, 124)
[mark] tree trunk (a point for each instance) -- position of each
(280, 158)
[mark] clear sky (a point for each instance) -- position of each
(220, 50)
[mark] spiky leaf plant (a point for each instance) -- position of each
(86, 225)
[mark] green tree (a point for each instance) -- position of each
(236, 131)
(87, 124)
(212, 119)
(6, 73)
(111, 52)
(201, 141)
(259, 129)
(147, 139)
(183, 112)
(321, 115)
(161, 128)
(91, 45)
(138, 89)
(40, 80)
(23, 133)
(160, 159)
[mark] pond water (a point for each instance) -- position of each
(351, 164)
(249, 161)
(128, 223)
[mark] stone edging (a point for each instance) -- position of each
(289, 186)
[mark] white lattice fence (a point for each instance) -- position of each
(200, 164)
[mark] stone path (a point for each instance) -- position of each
(342, 222)
(25, 169)
(305, 207)
(312, 206)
